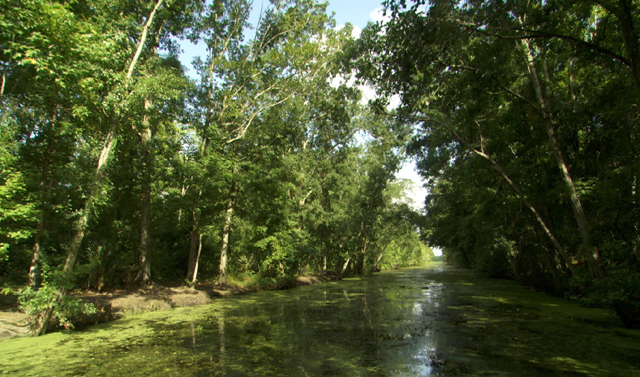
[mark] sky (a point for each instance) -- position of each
(358, 13)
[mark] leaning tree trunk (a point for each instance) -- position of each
(195, 246)
(194, 278)
(81, 226)
(344, 268)
(362, 256)
(523, 199)
(588, 249)
(87, 211)
(376, 265)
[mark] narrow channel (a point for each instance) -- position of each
(412, 322)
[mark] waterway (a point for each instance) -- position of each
(413, 322)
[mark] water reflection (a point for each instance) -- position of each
(406, 323)
(376, 326)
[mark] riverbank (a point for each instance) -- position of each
(119, 303)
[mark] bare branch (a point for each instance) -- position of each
(143, 39)
(243, 129)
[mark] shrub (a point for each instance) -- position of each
(619, 292)
(37, 302)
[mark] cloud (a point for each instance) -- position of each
(368, 93)
(340, 79)
(416, 192)
(367, 90)
(394, 102)
(377, 15)
(355, 32)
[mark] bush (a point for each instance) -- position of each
(37, 302)
(619, 292)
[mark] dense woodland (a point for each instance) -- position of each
(119, 169)
(528, 130)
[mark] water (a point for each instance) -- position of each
(413, 322)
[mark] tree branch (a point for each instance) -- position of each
(143, 39)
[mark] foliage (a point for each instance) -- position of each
(526, 119)
(620, 293)
(36, 302)
(116, 168)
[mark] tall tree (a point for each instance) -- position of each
(491, 81)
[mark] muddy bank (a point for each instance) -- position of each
(120, 303)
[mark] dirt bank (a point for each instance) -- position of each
(119, 303)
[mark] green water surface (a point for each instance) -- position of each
(413, 322)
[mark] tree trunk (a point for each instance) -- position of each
(625, 15)
(533, 210)
(588, 250)
(45, 189)
(143, 39)
(376, 266)
(81, 224)
(636, 215)
(4, 73)
(35, 259)
(498, 168)
(144, 275)
(224, 250)
(344, 268)
(194, 252)
(195, 268)
(362, 256)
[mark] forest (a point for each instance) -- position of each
(119, 168)
(527, 133)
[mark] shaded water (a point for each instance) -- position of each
(414, 322)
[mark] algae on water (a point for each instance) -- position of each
(410, 322)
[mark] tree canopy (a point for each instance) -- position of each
(526, 117)
(116, 168)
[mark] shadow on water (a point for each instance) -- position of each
(414, 322)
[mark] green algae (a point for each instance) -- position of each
(411, 322)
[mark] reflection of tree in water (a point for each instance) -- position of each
(350, 327)
(410, 322)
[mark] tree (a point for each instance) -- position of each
(524, 92)
(118, 170)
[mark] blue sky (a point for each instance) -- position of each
(357, 12)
